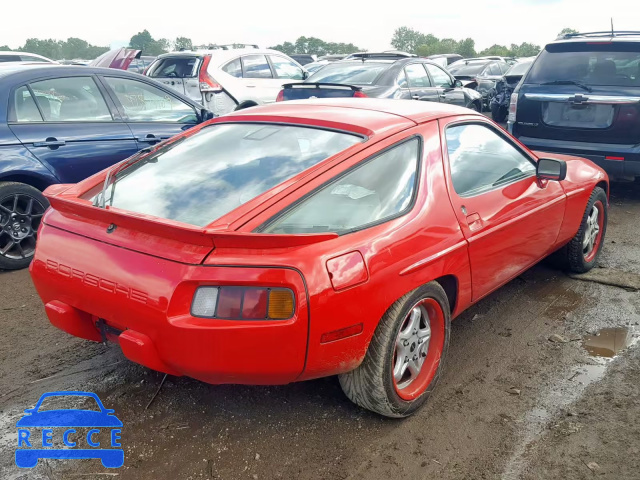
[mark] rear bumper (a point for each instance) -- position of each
(596, 152)
(149, 300)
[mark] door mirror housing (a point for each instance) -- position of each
(206, 115)
(305, 74)
(457, 84)
(551, 169)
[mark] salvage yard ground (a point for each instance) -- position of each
(521, 396)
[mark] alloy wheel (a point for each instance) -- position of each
(20, 217)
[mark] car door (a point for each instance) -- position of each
(447, 92)
(419, 83)
(70, 125)
(153, 114)
(509, 217)
(258, 78)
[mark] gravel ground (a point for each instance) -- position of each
(512, 404)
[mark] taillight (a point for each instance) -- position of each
(359, 94)
(513, 108)
(207, 82)
(243, 303)
(280, 97)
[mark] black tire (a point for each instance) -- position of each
(242, 106)
(371, 385)
(498, 113)
(18, 226)
(577, 260)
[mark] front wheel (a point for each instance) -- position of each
(583, 249)
(405, 357)
(21, 210)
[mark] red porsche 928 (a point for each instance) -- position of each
(305, 239)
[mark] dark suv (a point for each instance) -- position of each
(581, 96)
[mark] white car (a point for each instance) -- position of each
(225, 79)
(23, 57)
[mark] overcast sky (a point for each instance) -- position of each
(369, 25)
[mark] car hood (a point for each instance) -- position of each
(69, 418)
(119, 58)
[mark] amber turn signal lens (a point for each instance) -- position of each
(280, 304)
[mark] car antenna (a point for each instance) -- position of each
(612, 34)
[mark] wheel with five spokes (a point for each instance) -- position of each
(21, 210)
(584, 248)
(406, 355)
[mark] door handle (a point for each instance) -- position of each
(474, 221)
(150, 138)
(415, 97)
(50, 142)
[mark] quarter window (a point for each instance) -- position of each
(481, 160)
(286, 69)
(145, 103)
(233, 68)
(73, 99)
(377, 190)
(25, 107)
(255, 66)
(402, 80)
(439, 77)
(417, 76)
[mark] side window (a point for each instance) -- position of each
(377, 190)
(285, 68)
(255, 66)
(25, 107)
(233, 68)
(440, 77)
(402, 80)
(494, 69)
(504, 67)
(30, 58)
(417, 76)
(481, 160)
(71, 99)
(145, 103)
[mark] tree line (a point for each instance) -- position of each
(404, 38)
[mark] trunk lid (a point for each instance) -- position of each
(301, 91)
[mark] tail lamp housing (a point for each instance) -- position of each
(280, 96)
(243, 303)
(359, 94)
(513, 107)
(207, 82)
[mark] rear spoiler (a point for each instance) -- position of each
(184, 233)
(322, 85)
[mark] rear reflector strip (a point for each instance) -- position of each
(342, 333)
(620, 159)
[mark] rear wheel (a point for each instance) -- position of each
(405, 357)
(21, 210)
(583, 250)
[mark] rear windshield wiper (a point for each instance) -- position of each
(568, 82)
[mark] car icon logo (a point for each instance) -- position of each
(69, 440)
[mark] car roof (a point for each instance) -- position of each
(26, 71)
(373, 114)
(598, 37)
(221, 54)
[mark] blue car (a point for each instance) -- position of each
(61, 124)
(28, 453)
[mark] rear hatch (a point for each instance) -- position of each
(179, 72)
(583, 92)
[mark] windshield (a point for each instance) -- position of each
(519, 68)
(203, 177)
(467, 69)
(360, 73)
(614, 64)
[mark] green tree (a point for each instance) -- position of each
(497, 50)
(141, 40)
(524, 50)
(565, 31)
(48, 48)
(408, 40)
(316, 46)
(183, 43)
(466, 48)
(5, 48)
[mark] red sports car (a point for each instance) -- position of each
(305, 239)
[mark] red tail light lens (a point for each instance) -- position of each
(207, 82)
(243, 303)
(359, 94)
(280, 97)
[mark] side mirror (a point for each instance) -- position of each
(551, 169)
(206, 115)
(305, 74)
(457, 84)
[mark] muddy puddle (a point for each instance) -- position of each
(609, 342)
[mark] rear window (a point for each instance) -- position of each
(363, 73)
(470, 69)
(201, 178)
(175, 67)
(614, 64)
